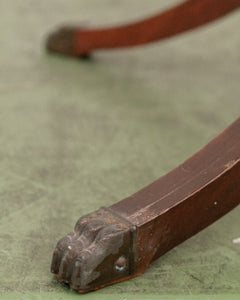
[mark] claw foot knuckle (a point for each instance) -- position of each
(98, 252)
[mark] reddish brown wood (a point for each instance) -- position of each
(183, 17)
(119, 242)
(187, 199)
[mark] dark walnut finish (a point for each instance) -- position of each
(79, 42)
(119, 242)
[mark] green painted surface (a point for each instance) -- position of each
(78, 135)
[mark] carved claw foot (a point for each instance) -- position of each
(121, 241)
(98, 252)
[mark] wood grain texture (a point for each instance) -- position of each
(116, 243)
(67, 128)
(187, 199)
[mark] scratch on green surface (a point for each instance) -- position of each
(75, 136)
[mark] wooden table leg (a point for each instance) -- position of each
(119, 242)
(75, 41)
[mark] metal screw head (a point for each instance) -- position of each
(120, 263)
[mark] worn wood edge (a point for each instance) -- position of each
(227, 140)
(162, 227)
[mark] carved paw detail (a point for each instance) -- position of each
(98, 252)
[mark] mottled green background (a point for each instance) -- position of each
(78, 135)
